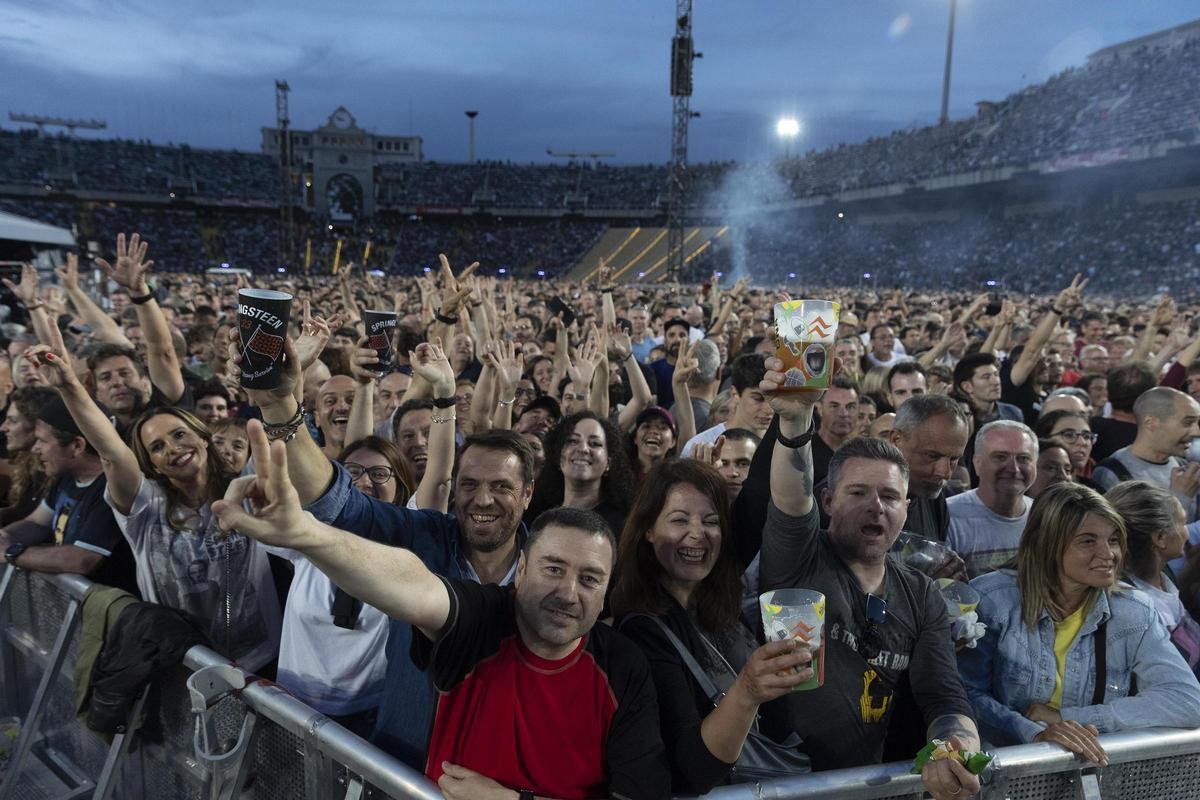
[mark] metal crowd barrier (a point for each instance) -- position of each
(295, 752)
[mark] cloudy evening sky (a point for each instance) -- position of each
(567, 74)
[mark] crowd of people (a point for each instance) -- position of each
(559, 503)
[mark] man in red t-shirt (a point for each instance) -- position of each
(534, 698)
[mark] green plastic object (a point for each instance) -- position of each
(938, 749)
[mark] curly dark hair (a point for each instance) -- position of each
(616, 487)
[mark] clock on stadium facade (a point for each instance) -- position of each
(339, 162)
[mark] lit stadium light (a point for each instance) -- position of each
(427, 269)
(225, 265)
(503, 271)
(281, 269)
(867, 275)
(841, 215)
(990, 283)
(792, 275)
(788, 127)
(541, 273)
(330, 227)
(641, 274)
(720, 274)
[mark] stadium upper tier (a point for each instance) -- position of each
(1125, 99)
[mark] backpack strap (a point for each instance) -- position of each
(1100, 640)
(1116, 467)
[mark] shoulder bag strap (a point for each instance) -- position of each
(1100, 640)
(689, 661)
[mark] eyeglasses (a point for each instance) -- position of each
(1071, 437)
(524, 393)
(871, 641)
(376, 475)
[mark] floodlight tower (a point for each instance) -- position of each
(683, 53)
(287, 227)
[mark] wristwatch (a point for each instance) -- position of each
(800, 440)
(14, 552)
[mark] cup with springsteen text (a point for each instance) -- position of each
(263, 324)
(797, 614)
(805, 335)
(381, 335)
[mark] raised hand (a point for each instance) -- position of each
(68, 273)
(53, 366)
(1164, 312)
(604, 275)
(1071, 296)
(429, 362)
(364, 362)
(788, 404)
(775, 669)
(27, 290)
(509, 364)
(131, 267)
(619, 343)
(455, 291)
(290, 378)
(276, 517)
(583, 367)
(709, 453)
(686, 365)
(315, 332)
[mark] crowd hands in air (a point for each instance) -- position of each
(565, 490)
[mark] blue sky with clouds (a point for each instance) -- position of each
(568, 74)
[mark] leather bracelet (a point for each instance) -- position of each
(800, 440)
(445, 320)
(443, 402)
(1056, 311)
(141, 300)
(285, 430)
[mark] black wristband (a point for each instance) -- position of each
(1056, 311)
(142, 299)
(526, 794)
(443, 402)
(442, 318)
(800, 440)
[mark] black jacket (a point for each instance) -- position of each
(146, 641)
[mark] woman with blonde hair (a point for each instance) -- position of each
(161, 492)
(1066, 651)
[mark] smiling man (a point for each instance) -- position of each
(531, 651)
(752, 412)
(334, 401)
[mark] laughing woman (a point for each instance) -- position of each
(160, 492)
(1065, 650)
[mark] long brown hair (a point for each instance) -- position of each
(26, 470)
(639, 585)
(404, 477)
(217, 475)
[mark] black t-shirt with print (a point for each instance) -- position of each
(80, 517)
(844, 722)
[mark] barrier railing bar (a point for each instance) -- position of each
(8, 662)
(30, 726)
(118, 750)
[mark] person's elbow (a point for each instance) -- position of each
(83, 562)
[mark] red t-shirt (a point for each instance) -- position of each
(583, 726)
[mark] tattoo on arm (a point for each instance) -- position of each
(955, 725)
(802, 461)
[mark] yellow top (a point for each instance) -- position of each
(1064, 634)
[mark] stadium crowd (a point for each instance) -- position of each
(1114, 102)
(558, 503)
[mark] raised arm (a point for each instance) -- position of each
(120, 464)
(311, 472)
(508, 362)
(363, 361)
(130, 271)
(620, 349)
(1162, 314)
(27, 292)
(102, 325)
(791, 468)
(455, 292)
(392, 579)
(430, 363)
(685, 367)
(953, 333)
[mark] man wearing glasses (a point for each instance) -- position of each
(884, 622)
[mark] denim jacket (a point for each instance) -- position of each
(1013, 666)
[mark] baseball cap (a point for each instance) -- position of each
(56, 415)
(548, 403)
(676, 322)
(660, 413)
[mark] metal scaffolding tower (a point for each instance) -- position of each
(682, 55)
(287, 221)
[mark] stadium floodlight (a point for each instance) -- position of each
(792, 275)
(641, 274)
(990, 283)
(867, 276)
(224, 265)
(503, 271)
(541, 273)
(788, 127)
(281, 269)
(427, 269)
(841, 215)
(720, 274)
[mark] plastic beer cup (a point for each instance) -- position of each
(805, 336)
(797, 614)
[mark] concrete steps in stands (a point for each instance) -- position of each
(639, 255)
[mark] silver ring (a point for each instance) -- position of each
(957, 791)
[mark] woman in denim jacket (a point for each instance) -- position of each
(1033, 675)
